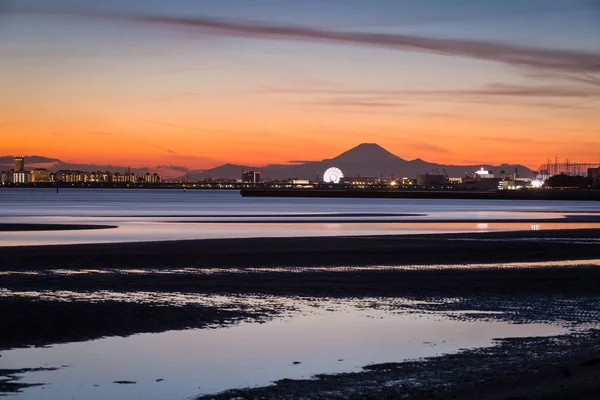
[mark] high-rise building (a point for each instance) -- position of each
(21, 177)
(5, 177)
(251, 177)
(19, 164)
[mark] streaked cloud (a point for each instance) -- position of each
(178, 168)
(494, 89)
(574, 61)
(156, 146)
(357, 103)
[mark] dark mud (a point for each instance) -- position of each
(50, 227)
(440, 281)
(35, 322)
(330, 251)
(10, 380)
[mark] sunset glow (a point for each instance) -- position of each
(156, 83)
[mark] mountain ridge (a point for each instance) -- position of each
(365, 159)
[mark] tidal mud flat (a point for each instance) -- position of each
(311, 251)
(80, 301)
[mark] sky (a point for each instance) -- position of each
(197, 83)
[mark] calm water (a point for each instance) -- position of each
(149, 215)
(326, 336)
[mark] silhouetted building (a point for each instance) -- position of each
(251, 177)
(19, 164)
(360, 181)
(5, 177)
(67, 176)
(431, 180)
(594, 173)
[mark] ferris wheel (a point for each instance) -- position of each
(333, 175)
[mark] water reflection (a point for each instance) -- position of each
(330, 338)
(156, 215)
(299, 270)
(132, 231)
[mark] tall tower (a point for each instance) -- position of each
(19, 164)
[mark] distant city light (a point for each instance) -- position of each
(537, 183)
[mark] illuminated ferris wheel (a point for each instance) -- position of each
(333, 175)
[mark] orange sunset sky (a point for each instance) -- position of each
(198, 84)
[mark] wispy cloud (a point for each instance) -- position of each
(426, 147)
(178, 168)
(358, 103)
(579, 61)
(156, 146)
(494, 89)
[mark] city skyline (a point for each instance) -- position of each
(199, 85)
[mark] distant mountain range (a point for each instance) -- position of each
(366, 160)
(54, 164)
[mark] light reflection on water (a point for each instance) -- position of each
(327, 336)
(299, 270)
(233, 302)
(127, 202)
(133, 231)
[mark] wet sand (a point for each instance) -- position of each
(307, 251)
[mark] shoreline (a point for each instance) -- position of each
(24, 227)
(534, 194)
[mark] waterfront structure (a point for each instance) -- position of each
(252, 177)
(151, 178)
(361, 181)
(5, 177)
(431, 180)
(568, 167)
(510, 184)
(19, 164)
(483, 174)
(40, 175)
(333, 175)
(67, 176)
(21, 177)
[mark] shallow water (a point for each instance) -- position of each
(325, 336)
(154, 215)
(130, 202)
